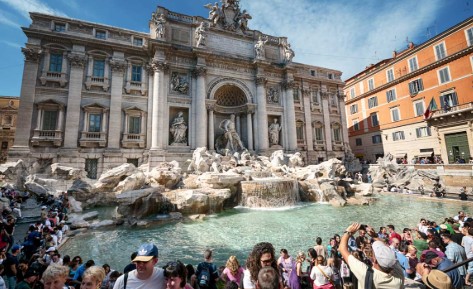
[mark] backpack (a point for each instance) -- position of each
(204, 276)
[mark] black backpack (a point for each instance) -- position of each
(204, 276)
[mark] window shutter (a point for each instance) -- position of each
(411, 88)
(421, 84)
(442, 102)
(454, 99)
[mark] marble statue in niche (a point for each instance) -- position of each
(230, 140)
(274, 130)
(200, 34)
(178, 129)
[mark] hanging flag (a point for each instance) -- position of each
(432, 106)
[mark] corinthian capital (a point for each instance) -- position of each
(306, 92)
(324, 94)
(117, 65)
(159, 65)
(199, 71)
(288, 84)
(261, 80)
(31, 54)
(76, 60)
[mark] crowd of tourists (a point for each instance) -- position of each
(361, 257)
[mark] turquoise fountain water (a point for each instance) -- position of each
(234, 232)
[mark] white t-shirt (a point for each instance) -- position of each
(247, 283)
(319, 277)
(156, 281)
(380, 279)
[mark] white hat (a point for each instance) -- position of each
(384, 255)
(51, 249)
(43, 207)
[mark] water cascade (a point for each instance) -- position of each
(269, 193)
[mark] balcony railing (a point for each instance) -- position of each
(88, 139)
(130, 140)
(99, 81)
(454, 109)
(54, 76)
(46, 136)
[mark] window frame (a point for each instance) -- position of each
(398, 135)
(47, 114)
(422, 111)
(352, 93)
(420, 130)
(57, 25)
(469, 40)
(354, 108)
(393, 95)
(138, 41)
(134, 124)
(415, 86)
(102, 33)
(92, 119)
(358, 142)
(371, 84)
(392, 110)
(415, 62)
(97, 69)
(373, 101)
(390, 72)
(372, 116)
(439, 74)
(375, 138)
(356, 125)
(443, 48)
(135, 73)
(57, 64)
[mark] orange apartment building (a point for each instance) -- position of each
(386, 103)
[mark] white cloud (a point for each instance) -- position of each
(11, 44)
(343, 35)
(24, 7)
(6, 20)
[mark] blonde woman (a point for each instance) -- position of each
(92, 278)
(233, 271)
(295, 277)
(55, 276)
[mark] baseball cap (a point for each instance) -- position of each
(43, 207)
(31, 272)
(429, 256)
(15, 248)
(384, 255)
(146, 252)
(51, 249)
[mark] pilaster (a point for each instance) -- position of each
(308, 119)
(114, 129)
(200, 109)
(290, 115)
(327, 126)
(77, 59)
(158, 104)
(261, 115)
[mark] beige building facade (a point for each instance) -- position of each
(8, 118)
(96, 96)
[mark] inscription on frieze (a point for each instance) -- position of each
(230, 45)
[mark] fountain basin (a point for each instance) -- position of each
(269, 193)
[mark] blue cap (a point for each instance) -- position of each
(146, 252)
(15, 248)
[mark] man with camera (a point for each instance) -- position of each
(386, 269)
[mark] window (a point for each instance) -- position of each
(356, 125)
(312, 73)
(358, 142)
(330, 76)
(100, 34)
(137, 41)
(469, 36)
(391, 95)
(95, 122)
(398, 135)
(99, 68)
(55, 62)
(370, 84)
(423, 131)
(136, 73)
(390, 75)
(134, 125)
(300, 130)
(132, 161)
(354, 108)
(440, 52)
(49, 119)
(296, 94)
(352, 93)
(419, 108)
(444, 75)
(376, 139)
(374, 119)
(315, 97)
(448, 100)
(372, 102)
(333, 100)
(337, 136)
(319, 133)
(416, 86)
(91, 168)
(395, 114)
(59, 27)
(413, 64)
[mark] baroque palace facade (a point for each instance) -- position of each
(417, 104)
(96, 96)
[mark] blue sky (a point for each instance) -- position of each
(346, 35)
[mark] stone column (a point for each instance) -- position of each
(327, 126)
(249, 125)
(77, 59)
(60, 118)
(308, 119)
(343, 118)
(238, 124)
(200, 109)
(148, 132)
(290, 116)
(211, 127)
(115, 124)
(27, 96)
(261, 115)
(158, 82)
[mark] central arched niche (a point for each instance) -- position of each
(230, 96)
(231, 99)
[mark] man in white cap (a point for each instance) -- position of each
(146, 275)
(386, 271)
